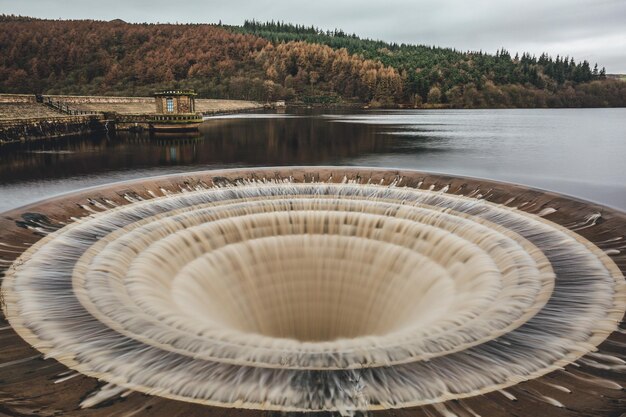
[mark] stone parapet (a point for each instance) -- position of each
(99, 99)
(17, 98)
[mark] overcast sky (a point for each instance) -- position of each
(586, 29)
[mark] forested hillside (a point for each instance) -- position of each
(271, 61)
(467, 79)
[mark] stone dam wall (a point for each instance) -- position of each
(25, 117)
(23, 130)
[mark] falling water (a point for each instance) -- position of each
(314, 296)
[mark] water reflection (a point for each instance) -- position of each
(576, 151)
(238, 141)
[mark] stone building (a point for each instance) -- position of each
(175, 102)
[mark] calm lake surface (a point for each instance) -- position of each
(581, 152)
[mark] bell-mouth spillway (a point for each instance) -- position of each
(314, 289)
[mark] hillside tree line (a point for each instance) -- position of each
(272, 61)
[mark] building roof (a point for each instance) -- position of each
(175, 93)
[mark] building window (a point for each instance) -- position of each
(169, 105)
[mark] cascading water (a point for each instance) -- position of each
(313, 295)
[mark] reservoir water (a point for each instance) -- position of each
(580, 152)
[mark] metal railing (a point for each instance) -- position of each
(66, 109)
